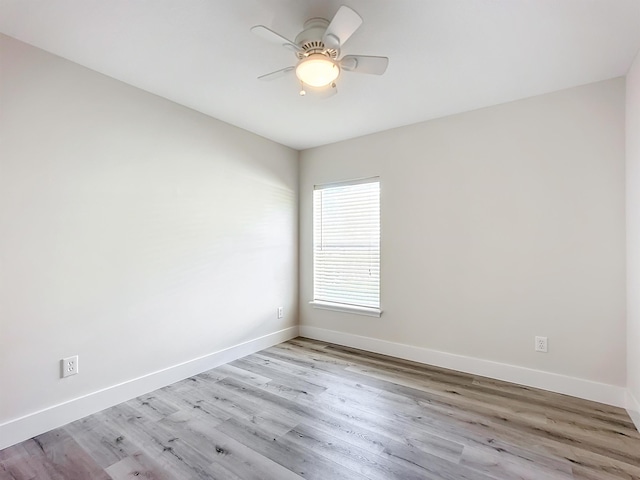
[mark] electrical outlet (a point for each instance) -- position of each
(541, 344)
(69, 366)
(280, 312)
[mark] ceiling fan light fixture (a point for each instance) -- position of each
(317, 70)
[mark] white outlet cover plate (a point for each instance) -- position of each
(69, 366)
(541, 344)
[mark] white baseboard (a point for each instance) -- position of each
(633, 409)
(28, 426)
(576, 387)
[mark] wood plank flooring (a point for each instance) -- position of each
(307, 409)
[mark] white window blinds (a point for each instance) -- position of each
(346, 243)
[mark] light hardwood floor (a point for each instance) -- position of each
(307, 409)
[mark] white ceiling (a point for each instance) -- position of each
(446, 56)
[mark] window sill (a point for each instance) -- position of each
(339, 307)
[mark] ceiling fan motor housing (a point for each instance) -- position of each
(310, 39)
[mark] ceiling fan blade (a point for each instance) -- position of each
(345, 22)
(364, 64)
(277, 74)
(271, 36)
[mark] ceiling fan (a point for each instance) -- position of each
(317, 49)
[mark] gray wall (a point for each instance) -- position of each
(134, 232)
(633, 239)
(497, 225)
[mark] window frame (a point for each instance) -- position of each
(336, 306)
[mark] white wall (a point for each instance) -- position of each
(633, 239)
(134, 232)
(497, 225)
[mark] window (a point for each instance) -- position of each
(346, 247)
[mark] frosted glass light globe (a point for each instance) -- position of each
(317, 70)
